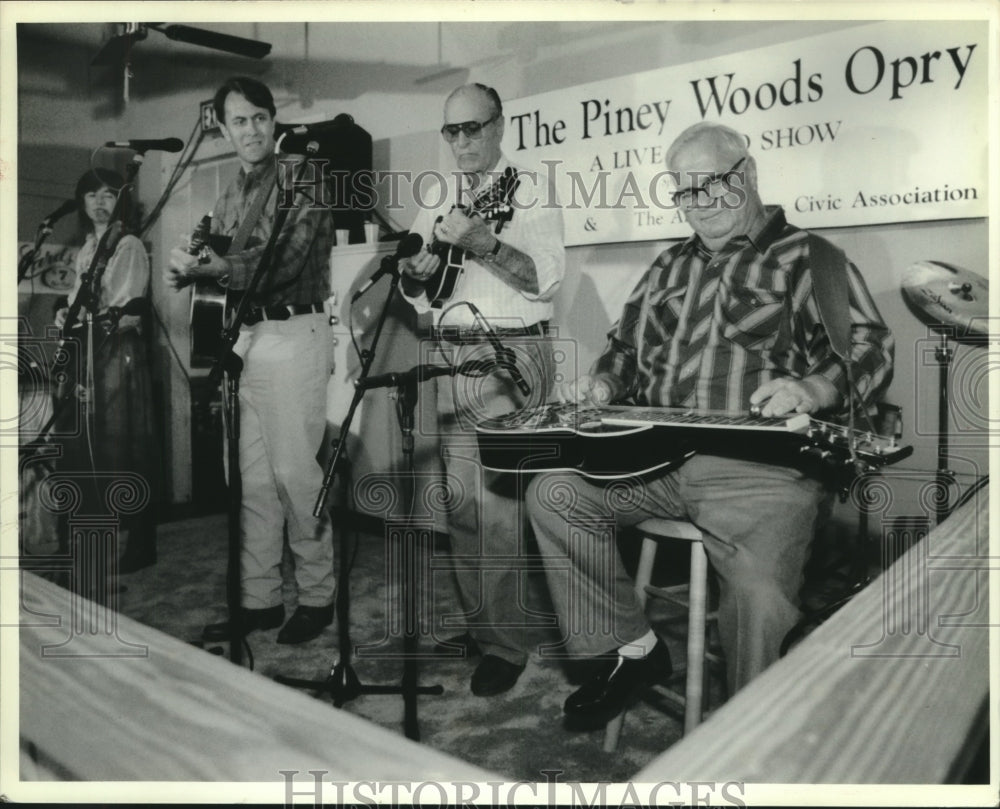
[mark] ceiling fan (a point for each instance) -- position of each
(116, 50)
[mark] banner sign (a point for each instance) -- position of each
(877, 123)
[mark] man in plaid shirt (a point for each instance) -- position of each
(287, 350)
(725, 320)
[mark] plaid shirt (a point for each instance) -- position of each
(704, 330)
(299, 271)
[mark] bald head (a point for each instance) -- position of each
(722, 139)
(477, 90)
(479, 104)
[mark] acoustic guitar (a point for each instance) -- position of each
(207, 318)
(493, 205)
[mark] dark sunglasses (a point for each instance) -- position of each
(472, 129)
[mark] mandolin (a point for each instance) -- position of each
(493, 205)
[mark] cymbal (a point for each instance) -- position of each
(945, 295)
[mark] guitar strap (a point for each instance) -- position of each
(253, 213)
(829, 277)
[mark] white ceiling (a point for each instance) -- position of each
(429, 43)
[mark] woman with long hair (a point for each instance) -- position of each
(111, 434)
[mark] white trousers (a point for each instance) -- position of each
(287, 364)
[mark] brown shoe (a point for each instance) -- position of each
(252, 619)
(305, 624)
(494, 675)
(459, 646)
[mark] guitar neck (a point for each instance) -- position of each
(707, 419)
(874, 449)
(493, 205)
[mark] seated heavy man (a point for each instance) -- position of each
(725, 320)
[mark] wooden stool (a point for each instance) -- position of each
(653, 530)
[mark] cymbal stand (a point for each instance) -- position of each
(945, 477)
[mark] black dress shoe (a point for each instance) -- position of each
(465, 642)
(266, 618)
(305, 624)
(494, 675)
(610, 691)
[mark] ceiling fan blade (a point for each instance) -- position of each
(253, 48)
(115, 51)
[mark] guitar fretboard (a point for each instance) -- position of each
(555, 416)
(665, 417)
(698, 429)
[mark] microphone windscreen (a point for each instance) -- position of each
(410, 245)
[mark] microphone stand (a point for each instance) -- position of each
(342, 684)
(115, 314)
(228, 363)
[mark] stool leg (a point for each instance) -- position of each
(613, 731)
(643, 576)
(644, 569)
(697, 609)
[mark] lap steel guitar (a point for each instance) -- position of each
(619, 441)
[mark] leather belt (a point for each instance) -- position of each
(281, 312)
(454, 334)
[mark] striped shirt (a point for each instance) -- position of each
(705, 330)
(299, 271)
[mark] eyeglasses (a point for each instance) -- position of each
(472, 129)
(713, 187)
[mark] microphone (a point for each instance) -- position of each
(409, 246)
(421, 373)
(505, 356)
(59, 213)
(161, 145)
(417, 373)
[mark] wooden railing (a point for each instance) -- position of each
(106, 698)
(892, 689)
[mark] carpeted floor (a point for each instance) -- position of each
(520, 734)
